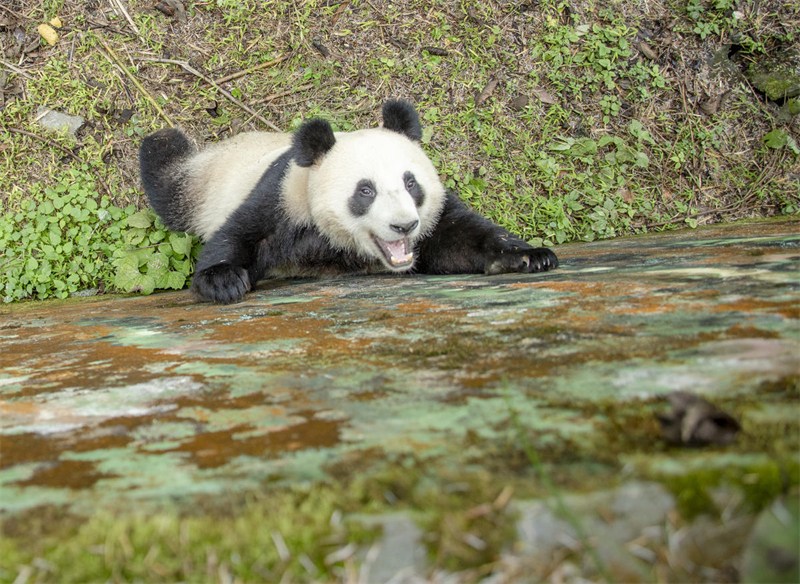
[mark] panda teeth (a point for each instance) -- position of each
(397, 252)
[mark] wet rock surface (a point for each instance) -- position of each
(548, 385)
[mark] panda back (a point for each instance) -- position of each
(220, 177)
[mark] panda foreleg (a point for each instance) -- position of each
(464, 242)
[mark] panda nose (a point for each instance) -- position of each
(404, 228)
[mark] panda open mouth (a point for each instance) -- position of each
(398, 253)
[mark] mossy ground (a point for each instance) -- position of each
(313, 532)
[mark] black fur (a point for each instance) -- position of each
(463, 242)
(362, 198)
(244, 250)
(228, 266)
(414, 188)
(400, 116)
(162, 178)
(311, 141)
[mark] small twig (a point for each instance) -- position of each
(63, 149)
(127, 17)
(258, 67)
(15, 69)
(342, 7)
(189, 69)
(274, 96)
(113, 56)
(7, 9)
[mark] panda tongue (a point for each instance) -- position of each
(398, 251)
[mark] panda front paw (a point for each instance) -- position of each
(522, 259)
(221, 284)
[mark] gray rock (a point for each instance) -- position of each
(778, 77)
(58, 122)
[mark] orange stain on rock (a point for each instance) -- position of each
(70, 474)
(215, 449)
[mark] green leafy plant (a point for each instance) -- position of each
(58, 240)
(711, 17)
(151, 257)
(778, 138)
(63, 239)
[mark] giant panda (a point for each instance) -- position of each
(317, 202)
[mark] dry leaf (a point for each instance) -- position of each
(544, 96)
(172, 8)
(646, 50)
(519, 103)
(488, 90)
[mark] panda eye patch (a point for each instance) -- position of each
(414, 188)
(362, 198)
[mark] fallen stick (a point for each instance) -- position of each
(127, 17)
(258, 67)
(189, 69)
(114, 59)
(15, 69)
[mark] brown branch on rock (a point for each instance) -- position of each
(189, 69)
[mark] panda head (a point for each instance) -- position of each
(371, 191)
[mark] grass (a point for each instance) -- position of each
(553, 121)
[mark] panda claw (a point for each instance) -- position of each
(221, 284)
(526, 261)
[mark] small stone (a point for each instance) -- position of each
(57, 121)
(694, 421)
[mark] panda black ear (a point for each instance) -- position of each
(400, 116)
(311, 141)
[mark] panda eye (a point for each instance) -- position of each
(410, 183)
(366, 191)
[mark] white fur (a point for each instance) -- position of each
(382, 156)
